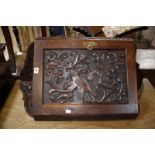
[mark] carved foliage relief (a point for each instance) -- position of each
(85, 76)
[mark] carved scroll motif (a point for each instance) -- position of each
(83, 76)
(27, 91)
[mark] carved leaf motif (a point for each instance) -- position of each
(83, 76)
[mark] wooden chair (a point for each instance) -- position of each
(6, 79)
(12, 61)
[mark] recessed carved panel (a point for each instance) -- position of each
(84, 76)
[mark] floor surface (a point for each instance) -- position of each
(13, 114)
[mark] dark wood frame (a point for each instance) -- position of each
(41, 110)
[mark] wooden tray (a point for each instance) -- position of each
(89, 78)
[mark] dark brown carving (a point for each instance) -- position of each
(84, 76)
(26, 88)
(26, 78)
(89, 78)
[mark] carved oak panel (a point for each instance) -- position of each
(81, 76)
(85, 78)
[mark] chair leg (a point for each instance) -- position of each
(12, 62)
(43, 31)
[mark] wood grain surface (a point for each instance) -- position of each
(100, 104)
(13, 114)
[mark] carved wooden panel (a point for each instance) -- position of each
(79, 76)
(84, 78)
